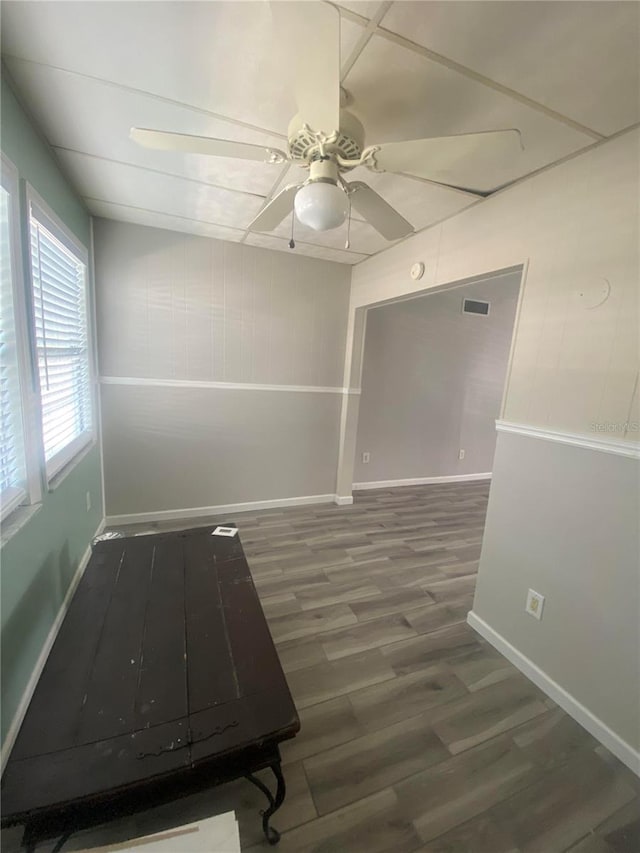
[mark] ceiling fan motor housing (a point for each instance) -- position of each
(303, 144)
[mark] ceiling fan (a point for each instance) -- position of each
(329, 141)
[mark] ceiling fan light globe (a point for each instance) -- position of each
(321, 206)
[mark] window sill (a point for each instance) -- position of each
(17, 520)
(64, 472)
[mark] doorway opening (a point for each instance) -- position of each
(433, 370)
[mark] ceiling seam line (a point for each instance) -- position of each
(157, 171)
(360, 45)
(364, 39)
(312, 245)
(160, 213)
(464, 71)
(458, 190)
(350, 15)
(115, 85)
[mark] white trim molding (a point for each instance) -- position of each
(421, 481)
(605, 445)
(221, 509)
(21, 710)
(594, 725)
(344, 500)
(224, 386)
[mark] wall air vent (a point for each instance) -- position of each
(473, 306)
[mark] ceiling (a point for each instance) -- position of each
(564, 73)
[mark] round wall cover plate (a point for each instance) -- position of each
(594, 293)
(417, 271)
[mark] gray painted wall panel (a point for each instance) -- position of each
(176, 306)
(432, 383)
(173, 448)
(564, 521)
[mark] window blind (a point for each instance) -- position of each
(61, 339)
(12, 462)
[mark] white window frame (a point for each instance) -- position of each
(65, 460)
(32, 491)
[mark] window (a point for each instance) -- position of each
(13, 475)
(61, 339)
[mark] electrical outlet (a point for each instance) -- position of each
(461, 454)
(535, 604)
(366, 456)
(88, 501)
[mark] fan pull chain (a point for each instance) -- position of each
(348, 241)
(292, 242)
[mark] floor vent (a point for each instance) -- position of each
(473, 306)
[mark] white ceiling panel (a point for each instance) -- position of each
(578, 58)
(60, 100)
(122, 213)
(268, 241)
(129, 185)
(400, 95)
(224, 57)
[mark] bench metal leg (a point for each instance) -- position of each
(62, 841)
(272, 835)
(30, 840)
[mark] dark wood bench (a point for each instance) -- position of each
(162, 680)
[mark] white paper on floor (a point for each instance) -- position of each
(217, 834)
(224, 531)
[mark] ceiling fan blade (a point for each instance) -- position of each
(384, 218)
(477, 161)
(275, 211)
(311, 35)
(163, 140)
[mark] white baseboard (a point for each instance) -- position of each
(222, 509)
(595, 726)
(421, 481)
(344, 500)
(21, 710)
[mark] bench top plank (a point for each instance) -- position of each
(163, 661)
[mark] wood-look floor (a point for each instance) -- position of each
(416, 734)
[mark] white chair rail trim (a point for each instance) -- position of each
(617, 446)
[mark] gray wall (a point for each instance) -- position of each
(176, 309)
(574, 364)
(564, 520)
(432, 383)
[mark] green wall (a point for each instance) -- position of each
(38, 563)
